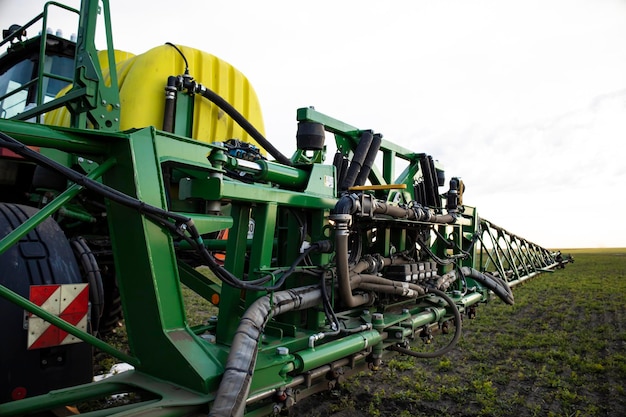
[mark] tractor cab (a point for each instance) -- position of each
(33, 70)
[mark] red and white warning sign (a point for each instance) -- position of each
(68, 301)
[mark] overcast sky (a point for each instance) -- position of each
(523, 99)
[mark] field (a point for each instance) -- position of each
(559, 351)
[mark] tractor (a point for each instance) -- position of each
(127, 180)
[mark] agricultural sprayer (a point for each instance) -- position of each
(122, 175)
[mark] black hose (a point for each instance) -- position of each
(84, 181)
(328, 308)
(441, 261)
(449, 346)
(345, 205)
(358, 158)
(256, 285)
(176, 224)
(230, 398)
(369, 159)
(430, 181)
(238, 118)
(499, 286)
(94, 278)
(181, 54)
(170, 105)
(341, 164)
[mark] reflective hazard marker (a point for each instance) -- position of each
(68, 301)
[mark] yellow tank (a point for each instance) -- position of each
(142, 81)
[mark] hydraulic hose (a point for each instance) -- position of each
(341, 166)
(235, 385)
(177, 224)
(372, 152)
(430, 180)
(495, 284)
(449, 346)
(84, 181)
(170, 105)
(94, 278)
(360, 153)
(343, 268)
(236, 116)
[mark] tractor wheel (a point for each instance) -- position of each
(42, 257)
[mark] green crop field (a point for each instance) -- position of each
(559, 351)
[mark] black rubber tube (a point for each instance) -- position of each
(430, 181)
(449, 346)
(369, 160)
(345, 205)
(343, 272)
(230, 398)
(495, 284)
(340, 164)
(158, 215)
(360, 153)
(170, 105)
(92, 273)
(239, 119)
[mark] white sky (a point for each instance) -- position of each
(524, 99)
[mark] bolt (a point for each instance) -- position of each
(282, 351)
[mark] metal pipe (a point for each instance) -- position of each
(414, 213)
(389, 286)
(33, 134)
(313, 374)
(455, 338)
(306, 360)
(283, 175)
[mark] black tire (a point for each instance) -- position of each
(43, 256)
